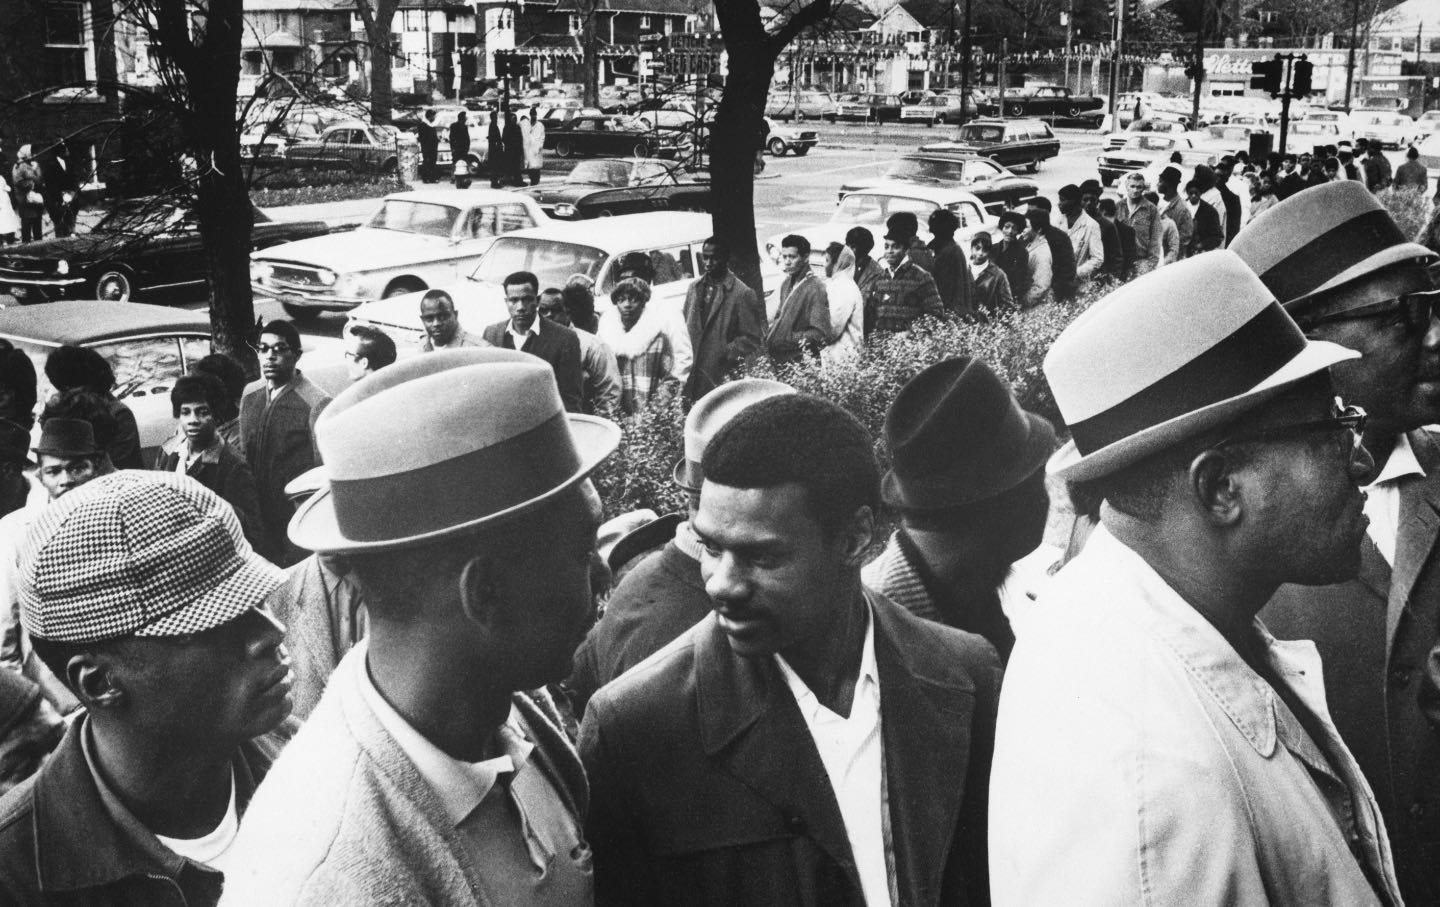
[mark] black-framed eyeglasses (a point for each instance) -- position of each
(265, 349)
(1414, 310)
(1349, 419)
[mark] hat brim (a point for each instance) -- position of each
(681, 476)
(1069, 464)
(314, 526)
(965, 487)
(248, 587)
(1391, 255)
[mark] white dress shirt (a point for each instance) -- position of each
(1382, 498)
(852, 752)
(518, 338)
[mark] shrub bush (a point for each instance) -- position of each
(1410, 209)
(273, 187)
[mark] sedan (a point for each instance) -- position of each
(792, 105)
(993, 184)
(610, 136)
(781, 139)
(611, 186)
(1390, 130)
(935, 110)
(358, 147)
(1138, 152)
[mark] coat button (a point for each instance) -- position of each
(796, 824)
(1417, 811)
(1400, 677)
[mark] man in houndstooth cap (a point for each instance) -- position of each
(140, 592)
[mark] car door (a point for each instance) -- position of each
(173, 256)
(1012, 151)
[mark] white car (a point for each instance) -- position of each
(553, 253)
(414, 241)
(1304, 135)
(1391, 130)
(1149, 124)
(869, 207)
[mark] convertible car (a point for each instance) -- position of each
(138, 247)
(601, 188)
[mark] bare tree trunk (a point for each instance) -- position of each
(590, 58)
(734, 139)
(377, 19)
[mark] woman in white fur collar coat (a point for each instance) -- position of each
(651, 345)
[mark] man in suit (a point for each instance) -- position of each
(528, 332)
(820, 744)
(1348, 275)
(725, 318)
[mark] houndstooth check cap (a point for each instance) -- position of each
(138, 553)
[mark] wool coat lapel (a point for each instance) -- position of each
(1418, 527)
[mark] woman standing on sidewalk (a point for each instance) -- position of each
(28, 200)
(9, 217)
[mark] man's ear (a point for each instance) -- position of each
(481, 582)
(94, 682)
(1216, 487)
(858, 535)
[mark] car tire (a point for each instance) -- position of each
(777, 147)
(641, 149)
(564, 148)
(1074, 112)
(801, 150)
(302, 314)
(1035, 166)
(402, 286)
(114, 283)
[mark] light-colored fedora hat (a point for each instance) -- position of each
(442, 444)
(1320, 239)
(713, 412)
(1172, 354)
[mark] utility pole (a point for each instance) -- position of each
(1118, 32)
(1069, 15)
(1350, 60)
(965, 69)
(1000, 75)
(1199, 68)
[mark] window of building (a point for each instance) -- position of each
(1407, 45)
(644, 21)
(1434, 46)
(69, 43)
(669, 25)
(1384, 43)
(577, 23)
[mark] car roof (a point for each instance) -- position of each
(623, 232)
(947, 156)
(84, 322)
(473, 196)
(941, 195)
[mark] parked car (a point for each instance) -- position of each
(553, 253)
(993, 184)
(672, 113)
(1428, 122)
(610, 137)
(1141, 150)
(1304, 135)
(936, 110)
(1391, 130)
(781, 139)
(871, 206)
(609, 186)
(557, 117)
(414, 241)
(804, 104)
(877, 107)
(147, 346)
(1044, 100)
(355, 146)
(137, 247)
(1148, 124)
(268, 145)
(1012, 143)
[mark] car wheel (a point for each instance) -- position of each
(641, 149)
(1016, 110)
(564, 148)
(801, 150)
(1035, 166)
(939, 120)
(402, 286)
(1074, 111)
(114, 284)
(604, 212)
(777, 147)
(302, 314)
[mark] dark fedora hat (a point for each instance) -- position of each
(67, 438)
(957, 435)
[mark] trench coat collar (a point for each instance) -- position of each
(750, 722)
(726, 286)
(1418, 529)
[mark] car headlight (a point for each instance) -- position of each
(564, 210)
(62, 267)
(326, 277)
(259, 271)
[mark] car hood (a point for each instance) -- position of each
(361, 249)
(80, 247)
(555, 193)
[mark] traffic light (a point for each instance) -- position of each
(1300, 73)
(1132, 13)
(1266, 74)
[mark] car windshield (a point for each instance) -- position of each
(140, 216)
(866, 207)
(552, 261)
(925, 168)
(605, 173)
(981, 133)
(1150, 143)
(425, 218)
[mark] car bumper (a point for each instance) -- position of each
(308, 299)
(37, 282)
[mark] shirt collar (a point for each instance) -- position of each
(460, 785)
(867, 679)
(1401, 463)
(520, 336)
(896, 270)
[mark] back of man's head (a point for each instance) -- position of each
(904, 223)
(376, 346)
(1039, 219)
(801, 440)
(860, 239)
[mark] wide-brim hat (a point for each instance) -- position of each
(957, 435)
(713, 412)
(67, 438)
(1322, 238)
(1170, 355)
(442, 444)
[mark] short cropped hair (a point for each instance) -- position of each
(579, 301)
(983, 240)
(198, 387)
(796, 241)
(285, 330)
(231, 374)
(1013, 217)
(903, 222)
(944, 221)
(520, 277)
(375, 345)
(860, 239)
(722, 245)
(1038, 218)
(75, 367)
(804, 440)
(1070, 192)
(1107, 207)
(438, 296)
(631, 288)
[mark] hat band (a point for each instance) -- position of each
(1332, 252)
(1235, 365)
(460, 490)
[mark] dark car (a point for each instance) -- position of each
(993, 184)
(878, 107)
(1012, 143)
(358, 147)
(1044, 101)
(138, 247)
(610, 136)
(609, 186)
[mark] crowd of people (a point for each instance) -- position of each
(42, 184)
(514, 151)
(385, 649)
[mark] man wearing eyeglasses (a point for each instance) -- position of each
(277, 431)
(1348, 275)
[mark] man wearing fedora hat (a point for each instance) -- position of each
(811, 743)
(664, 595)
(186, 688)
(1348, 274)
(968, 481)
(1156, 745)
(425, 775)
